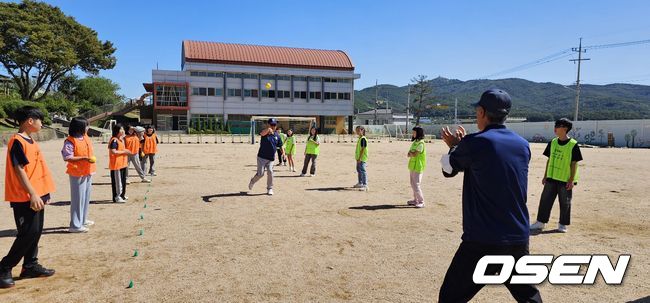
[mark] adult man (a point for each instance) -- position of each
(495, 217)
(269, 143)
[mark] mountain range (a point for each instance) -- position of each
(532, 100)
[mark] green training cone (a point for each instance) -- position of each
(145, 205)
(135, 253)
(141, 217)
(141, 232)
(130, 284)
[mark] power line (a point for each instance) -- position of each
(612, 45)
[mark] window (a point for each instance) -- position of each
(284, 94)
(327, 95)
(206, 122)
(315, 79)
(234, 92)
(249, 76)
(199, 91)
(232, 75)
(312, 95)
(330, 121)
(265, 93)
(218, 92)
(194, 74)
(299, 78)
(296, 94)
(283, 77)
(212, 74)
(287, 94)
(210, 91)
(195, 91)
(318, 95)
(303, 95)
(341, 96)
(346, 96)
(247, 93)
(271, 94)
(268, 77)
(254, 93)
(300, 95)
(168, 95)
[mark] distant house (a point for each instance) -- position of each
(380, 117)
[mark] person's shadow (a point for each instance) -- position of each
(66, 203)
(544, 232)
(645, 299)
(209, 198)
(11, 233)
(380, 207)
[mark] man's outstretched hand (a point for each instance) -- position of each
(452, 139)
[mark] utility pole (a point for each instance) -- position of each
(408, 107)
(374, 122)
(580, 59)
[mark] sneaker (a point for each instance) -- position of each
(128, 181)
(312, 175)
(145, 180)
(35, 271)
(419, 205)
(125, 198)
(537, 226)
(119, 200)
(363, 188)
(89, 223)
(562, 228)
(250, 185)
(6, 280)
(302, 175)
(270, 192)
(411, 202)
(82, 229)
(357, 185)
(153, 174)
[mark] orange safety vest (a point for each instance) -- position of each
(150, 145)
(82, 148)
(117, 162)
(132, 143)
(37, 172)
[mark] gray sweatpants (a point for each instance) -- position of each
(80, 188)
(135, 159)
(152, 158)
(263, 164)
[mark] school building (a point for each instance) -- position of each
(222, 82)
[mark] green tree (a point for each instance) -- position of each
(39, 44)
(421, 92)
(97, 90)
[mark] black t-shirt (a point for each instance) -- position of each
(17, 153)
(113, 145)
(576, 155)
(364, 143)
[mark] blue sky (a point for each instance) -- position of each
(391, 41)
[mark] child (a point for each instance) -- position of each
(132, 143)
(118, 156)
(78, 152)
(28, 185)
(312, 150)
(361, 155)
(150, 148)
(281, 151)
(269, 143)
(290, 149)
(417, 163)
(560, 176)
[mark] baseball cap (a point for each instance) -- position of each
(495, 101)
(272, 121)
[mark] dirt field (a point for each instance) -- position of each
(316, 240)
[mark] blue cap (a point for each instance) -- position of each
(273, 121)
(495, 101)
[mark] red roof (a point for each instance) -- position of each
(244, 54)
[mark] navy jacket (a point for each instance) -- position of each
(495, 185)
(268, 146)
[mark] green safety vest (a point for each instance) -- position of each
(357, 154)
(283, 136)
(289, 145)
(559, 162)
(312, 148)
(419, 162)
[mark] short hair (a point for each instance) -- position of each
(564, 122)
(419, 133)
(77, 126)
(496, 118)
(116, 129)
(22, 114)
(363, 129)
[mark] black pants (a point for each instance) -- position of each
(30, 227)
(308, 157)
(118, 183)
(459, 286)
(281, 158)
(553, 189)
